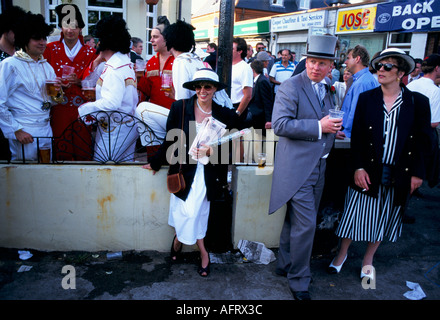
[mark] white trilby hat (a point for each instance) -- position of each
(322, 46)
(396, 52)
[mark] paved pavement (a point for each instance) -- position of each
(151, 276)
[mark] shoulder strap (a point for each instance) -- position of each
(181, 137)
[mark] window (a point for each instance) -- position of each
(151, 21)
(98, 9)
(304, 5)
(400, 39)
(51, 16)
(278, 3)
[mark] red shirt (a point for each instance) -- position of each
(151, 83)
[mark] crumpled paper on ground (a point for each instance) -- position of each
(416, 292)
(24, 255)
(256, 252)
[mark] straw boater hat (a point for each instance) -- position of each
(395, 52)
(322, 46)
(204, 75)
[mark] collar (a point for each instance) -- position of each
(360, 73)
(118, 60)
(21, 55)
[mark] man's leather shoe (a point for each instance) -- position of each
(301, 295)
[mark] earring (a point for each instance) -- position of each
(398, 79)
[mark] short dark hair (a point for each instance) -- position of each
(430, 63)
(31, 26)
(257, 66)
(360, 51)
(241, 46)
(88, 38)
(180, 36)
(213, 46)
(10, 18)
(113, 34)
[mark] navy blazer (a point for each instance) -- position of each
(215, 174)
(261, 104)
(412, 144)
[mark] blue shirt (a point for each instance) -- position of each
(362, 81)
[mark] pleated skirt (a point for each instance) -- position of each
(366, 218)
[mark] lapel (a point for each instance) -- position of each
(404, 122)
(377, 118)
(311, 95)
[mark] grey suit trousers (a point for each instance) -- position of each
(297, 234)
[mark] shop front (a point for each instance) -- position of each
(291, 31)
(413, 25)
(355, 25)
(253, 31)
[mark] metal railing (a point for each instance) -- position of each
(116, 138)
(99, 137)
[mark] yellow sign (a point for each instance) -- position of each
(357, 20)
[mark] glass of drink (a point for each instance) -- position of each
(51, 88)
(336, 114)
(44, 155)
(167, 82)
(261, 157)
(88, 89)
(140, 68)
(67, 72)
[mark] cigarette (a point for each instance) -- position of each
(363, 190)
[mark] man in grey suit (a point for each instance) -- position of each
(306, 135)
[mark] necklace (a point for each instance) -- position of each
(200, 108)
(46, 105)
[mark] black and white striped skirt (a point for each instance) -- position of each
(370, 219)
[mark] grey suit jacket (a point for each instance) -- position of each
(295, 118)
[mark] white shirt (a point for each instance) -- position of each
(242, 76)
(116, 88)
(428, 88)
(184, 67)
(22, 93)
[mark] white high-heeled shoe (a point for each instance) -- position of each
(369, 275)
(332, 269)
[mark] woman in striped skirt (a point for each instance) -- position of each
(390, 138)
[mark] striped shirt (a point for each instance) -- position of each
(390, 130)
(281, 73)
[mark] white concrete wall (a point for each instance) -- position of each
(94, 208)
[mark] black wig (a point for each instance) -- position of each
(10, 18)
(31, 26)
(113, 34)
(180, 36)
(68, 13)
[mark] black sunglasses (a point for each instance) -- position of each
(386, 66)
(206, 86)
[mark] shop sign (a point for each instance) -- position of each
(259, 27)
(356, 20)
(201, 34)
(299, 21)
(408, 16)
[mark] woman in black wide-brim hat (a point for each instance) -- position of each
(390, 138)
(189, 208)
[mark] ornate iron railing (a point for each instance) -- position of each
(115, 137)
(105, 137)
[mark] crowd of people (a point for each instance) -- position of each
(390, 117)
